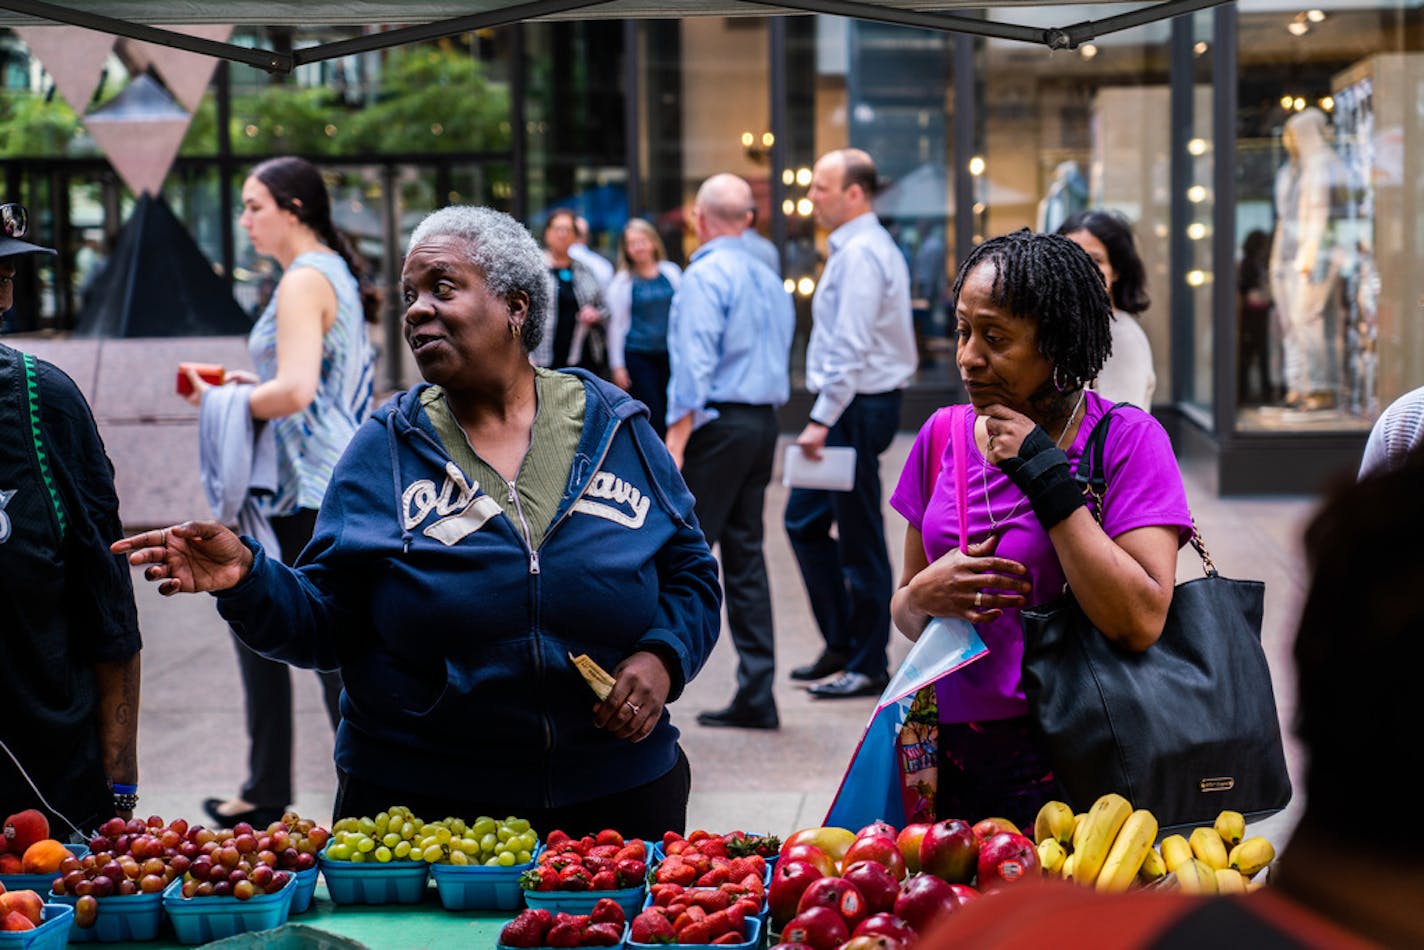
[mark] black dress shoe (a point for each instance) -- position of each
(259, 816)
(734, 717)
(848, 685)
(827, 663)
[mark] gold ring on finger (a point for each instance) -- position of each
(979, 599)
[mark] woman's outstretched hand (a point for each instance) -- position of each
(188, 558)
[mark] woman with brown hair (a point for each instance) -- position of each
(639, 301)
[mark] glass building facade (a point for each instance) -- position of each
(1265, 154)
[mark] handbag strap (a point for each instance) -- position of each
(947, 425)
(1091, 475)
(961, 492)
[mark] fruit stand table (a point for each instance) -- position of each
(378, 927)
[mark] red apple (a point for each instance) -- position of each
(1007, 858)
(988, 827)
(818, 927)
(924, 899)
(878, 827)
(965, 893)
(788, 882)
(876, 884)
(887, 925)
(908, 841)
(839, 895)
(881, 849)
(811, 855)
(949, 850)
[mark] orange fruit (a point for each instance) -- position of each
(43, 857)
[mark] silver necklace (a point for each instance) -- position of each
(984, 471)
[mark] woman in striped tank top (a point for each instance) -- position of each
(314, 386)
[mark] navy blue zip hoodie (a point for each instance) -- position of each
(453, 638)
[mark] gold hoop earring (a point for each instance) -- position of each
(1068, 386)
(514, 331)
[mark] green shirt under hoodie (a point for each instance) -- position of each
(530, 501)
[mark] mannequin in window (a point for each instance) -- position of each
(1067, 195)
(1306, 261)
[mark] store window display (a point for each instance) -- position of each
(1308, 260)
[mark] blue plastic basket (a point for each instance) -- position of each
(372, 882)
(304, 889)
(51, 934)
(581, 902)
(134, 917)
(754, 925)
(39, 883)
(204, 919)
(480, 887)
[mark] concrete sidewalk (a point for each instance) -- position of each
(192, 742)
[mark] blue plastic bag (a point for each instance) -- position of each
(890, 775)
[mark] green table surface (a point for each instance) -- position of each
(379, 927)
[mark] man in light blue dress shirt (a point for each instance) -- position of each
(729, 344)
(861, 354)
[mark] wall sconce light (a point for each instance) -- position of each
(803, 176)
(1197, 147)
(1299, 26)
(805, 286)
(1087, 51)
(1196, 194)
(976, 166)
(788, 177)
(788, 207)
(1327, 103)
(803, 207)
(1196, 230)
(1315, 16)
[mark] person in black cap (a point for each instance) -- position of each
(68, 626)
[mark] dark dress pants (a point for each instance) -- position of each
(847, 575)
(267, 693)
(649, 374)
(727, 465)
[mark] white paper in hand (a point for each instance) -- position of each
(834, 471)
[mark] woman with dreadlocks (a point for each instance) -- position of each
(1032, 319)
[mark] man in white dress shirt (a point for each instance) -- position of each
(861, 354)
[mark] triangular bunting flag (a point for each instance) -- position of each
(73, 56)
(185, 74)
(141, 150)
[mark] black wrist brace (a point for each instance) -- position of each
(1041, 472)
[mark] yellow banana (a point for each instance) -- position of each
(1231, 825)
(1105, 819)
(1055, 820)
(1206, 845)
(1129, 849)
(1066, 871)
(1251, 855)
(1175, 852)
(1152, 867)
(1195, 877)
(1230, 881)
(1078, 820)
(1051, 855)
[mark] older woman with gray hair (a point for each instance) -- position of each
(481, 530)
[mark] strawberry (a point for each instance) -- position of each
(713, 877)
(737, 917)
(633, 849)
(556, 838)
(525, 930)
(652, 927)
(683, 874)
(677, 847)
(731, 938)
(563, 859)
(605, 880)
(764, 846)
(698, 835)
(603, 850)
(586, 842)
(596, 863)
(713, 847)
(574, 878)
(565, 934)
(696, 932)
(631, 873)
(539, 879)
(603, 935)
(663, 894)
(669, 837)
(608, 911)
(609, 836)
(711, 900)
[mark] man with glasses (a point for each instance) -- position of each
(68, 626)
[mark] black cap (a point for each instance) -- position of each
(14, 247)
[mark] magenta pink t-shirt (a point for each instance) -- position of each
(1144, 487)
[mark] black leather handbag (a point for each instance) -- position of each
(1187, 727)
